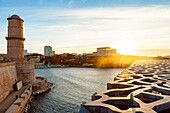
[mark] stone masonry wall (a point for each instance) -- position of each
(8, 78)
(19, 105)
(15, 48)
(25, 72)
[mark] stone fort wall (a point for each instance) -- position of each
(8, 78)
(25, 72)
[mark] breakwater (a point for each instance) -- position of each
(142, 88)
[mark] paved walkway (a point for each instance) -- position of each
(4, 105)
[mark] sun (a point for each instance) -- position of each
(125, 47)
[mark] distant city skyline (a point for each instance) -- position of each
(81, 26)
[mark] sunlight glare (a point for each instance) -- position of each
(125, 47)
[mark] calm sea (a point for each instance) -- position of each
(73, 86)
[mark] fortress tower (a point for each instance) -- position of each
(15, 39)
(15, 50)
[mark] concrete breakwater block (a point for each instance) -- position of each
(144, 87)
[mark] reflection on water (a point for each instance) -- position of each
(73, 86)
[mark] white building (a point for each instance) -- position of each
(48, 51)
(105, 51)
(25, 52)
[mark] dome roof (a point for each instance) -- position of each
(15, 17)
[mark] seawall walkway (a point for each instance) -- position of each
(16, 101)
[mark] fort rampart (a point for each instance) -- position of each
(25, 71)
(19, 105)
(8, 78)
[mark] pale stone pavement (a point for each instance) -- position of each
(4, 105)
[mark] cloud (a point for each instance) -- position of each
(147, 27)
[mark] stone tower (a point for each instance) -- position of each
(15, 39)
(15, 50)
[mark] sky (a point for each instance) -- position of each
(80, 26)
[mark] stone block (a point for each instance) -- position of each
(19, 85)
(18, 101)
(23, 96)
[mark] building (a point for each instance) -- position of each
(15, 38)
(15, 50)
(25, 52)
(53, 53)
(16, 72)
(48, 51)
(35, 57)
(105, 51)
